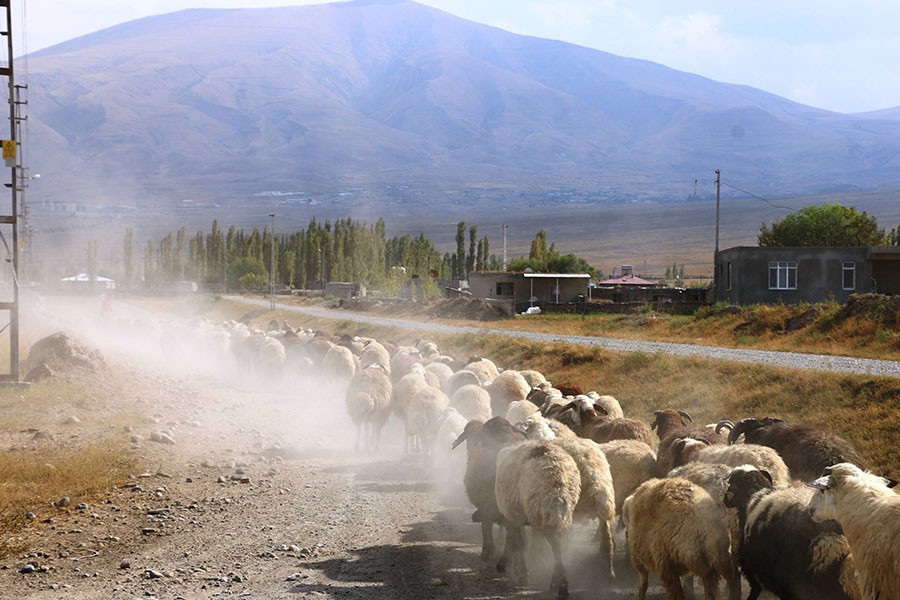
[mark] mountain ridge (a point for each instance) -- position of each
(223, 104)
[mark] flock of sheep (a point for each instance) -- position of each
(789, 507)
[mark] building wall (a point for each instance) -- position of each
(742, 274)
(521, 289)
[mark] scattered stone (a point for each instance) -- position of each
(72, 420)
(30, 516)
(125, 564)
(162, 437)
(29, 568)
(153, 574)
(82, 506)
(62, 502)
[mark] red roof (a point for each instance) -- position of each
(627, 280)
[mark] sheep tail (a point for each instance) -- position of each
(557, 511)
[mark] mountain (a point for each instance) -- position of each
(393, 98)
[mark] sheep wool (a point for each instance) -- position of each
(869, 512)
(675, 528)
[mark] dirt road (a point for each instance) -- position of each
(254, 490)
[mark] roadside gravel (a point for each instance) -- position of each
(792, 360)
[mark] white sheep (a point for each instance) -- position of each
(375, 353)
(368, 401)
(520, 410)
(869, 512)
(458, 380)
(423, 417)
(534, 378)
(339, 364)
(472, 402)
(675, 528)
(440, 370)
(506, 387)
(484, 368)
(631, 463)
(763, 458)
(539, 427)
(598, 496)
(403, 391)
(609, 404)
(452, 464)
(537, 484)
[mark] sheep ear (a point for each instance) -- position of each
(767, 475)
(889, 482)
(459, 440)
(822, 483)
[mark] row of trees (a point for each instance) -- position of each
(345, 250)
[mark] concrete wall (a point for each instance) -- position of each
(819, 274)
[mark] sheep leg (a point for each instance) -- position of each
(755, 589)
(558, 580)
(607, 546)
(359, 432)
(513, 551)
(688, 586)
(642, 586)
(734, 588)
(487, 541)
(711, 586)
(672, 583)
(520, 569)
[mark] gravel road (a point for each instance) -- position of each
(793, 360)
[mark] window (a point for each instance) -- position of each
(849, 275)
(504, 288)
(783, 275)
(728, 276)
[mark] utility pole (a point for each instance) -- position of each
(716, 253)
(11, 154)
(718, 188)
(505, 227)
(272, 263)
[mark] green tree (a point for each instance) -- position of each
(824, 224)
(249, 272)
(460, 268)
(538, 250)
(471, 256)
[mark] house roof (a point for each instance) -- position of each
(558, 275)
(627, 280)
(85, 277)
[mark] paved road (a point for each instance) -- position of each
(794, 360)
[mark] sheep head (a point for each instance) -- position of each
(668, 420)
(743, 483)
(838, 478)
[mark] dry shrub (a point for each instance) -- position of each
(30, 481)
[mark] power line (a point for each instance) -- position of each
(752, 195)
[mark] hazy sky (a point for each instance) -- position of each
(832, 54)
